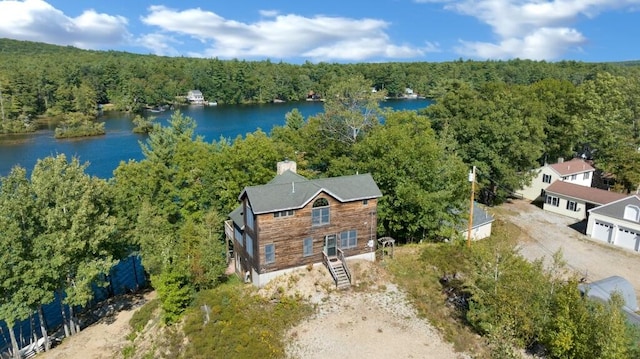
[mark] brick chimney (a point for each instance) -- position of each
(286, 165)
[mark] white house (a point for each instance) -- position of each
(574, 200)
(576, 171)
(195, 97)
(617, 223)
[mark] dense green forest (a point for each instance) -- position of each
(62, 229)
(38, 78)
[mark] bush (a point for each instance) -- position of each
(241, 323)
(175, 293)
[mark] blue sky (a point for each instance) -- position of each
(343, 31)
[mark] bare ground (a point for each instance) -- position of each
(374, 319)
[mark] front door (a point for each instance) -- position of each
(330, 245)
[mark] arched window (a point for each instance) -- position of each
(320, 202)
(632, 213)
(320, 212)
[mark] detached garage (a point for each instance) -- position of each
(617, 223)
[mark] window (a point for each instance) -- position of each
(365, 202)
(348, 239)
(574, 177)
(554, 201)
(546, 178)
(249, 245)
(320, 212)
(307, 247)
(572, 205)
(565, 178)
(632, 213)
(586, 175)
(270, 253)
(249, 217)
(239, 237)
(287, 213)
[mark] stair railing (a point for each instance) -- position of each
(334, 275)
(344, 264)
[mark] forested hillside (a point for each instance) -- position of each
(38, 78)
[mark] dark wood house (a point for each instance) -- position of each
(292, 222)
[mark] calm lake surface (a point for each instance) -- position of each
(104, 153)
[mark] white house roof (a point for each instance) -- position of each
(574, 166)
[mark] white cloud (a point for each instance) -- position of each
(542, 44)
(282, 36)
(36, 20)
(532, 29)
(159, 44)
(269, 13)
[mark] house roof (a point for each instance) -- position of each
(602, 289)
(615, 209)
(574, 166)
(292, 191)
(237, 216)
(584, 193)
(480, 218)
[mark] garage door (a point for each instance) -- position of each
(602, 231)
(627, 238)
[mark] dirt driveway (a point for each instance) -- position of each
(545, 233)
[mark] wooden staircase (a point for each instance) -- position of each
(339, 270)
(341, 278)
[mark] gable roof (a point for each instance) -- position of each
(574, 166)
(586, 194)
(292, 191)
(480, 218)
(615, 209)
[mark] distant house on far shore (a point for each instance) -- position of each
(195, 97)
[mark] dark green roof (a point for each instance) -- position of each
(292, 191)
(237, 216)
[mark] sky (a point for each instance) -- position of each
(340, 31)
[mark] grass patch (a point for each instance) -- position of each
(142, 316)
(413, 269)
(240, 323)
(419, 268)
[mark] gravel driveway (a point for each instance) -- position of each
(545, 233)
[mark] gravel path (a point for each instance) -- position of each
(375, 322)
(368, 325)
(545, 233)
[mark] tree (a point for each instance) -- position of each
(423, 187)
(499, 129)
(294, 119)
(74, 244)
(17, 222)
(350, 109)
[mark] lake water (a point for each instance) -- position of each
(104, 153)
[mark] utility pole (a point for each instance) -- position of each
(472, 179)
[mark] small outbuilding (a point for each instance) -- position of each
(603, 289)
